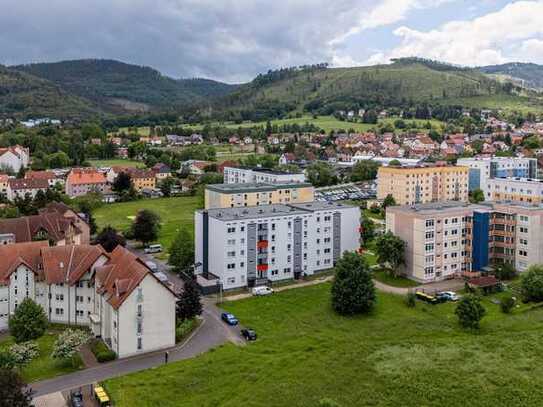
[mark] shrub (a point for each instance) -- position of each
(411, 300)
(532, 284)
(7, 360)
(507, 304)
(470, 311)
(28, 322)
(101, 351)
(505, 271)
(68, 344)
(23, 353)
(184, 328)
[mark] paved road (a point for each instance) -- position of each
(211, 333)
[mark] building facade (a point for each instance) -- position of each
(448, 239)
(516, 190)
(241, 195)
(114, 294)
(14, 158)
(416, 185)
(482, 169)
(255, 245)
(234, 175)
(82, 181)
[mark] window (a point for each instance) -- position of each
(231, 230)
(140, 343)
(429, 223)
(231, 266)
(428, 271)
(429, 235)
(59, 297)
(429, 247)
(231, 280)
(231, 254)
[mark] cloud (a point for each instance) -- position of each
(512, 33)
(226, 39)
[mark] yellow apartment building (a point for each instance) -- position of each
(256, 194)
(416, 185)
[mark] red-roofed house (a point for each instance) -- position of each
(18, 187)
(14, 158)
(115, 294)
(81, 181)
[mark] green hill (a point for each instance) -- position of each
(113, 84)
(24, 95)
(525, 74)
(402, 83)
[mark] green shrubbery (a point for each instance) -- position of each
(184, 328)
(101, 351)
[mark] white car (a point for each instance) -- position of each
(153, 248)
(450, 295)
(262, 290)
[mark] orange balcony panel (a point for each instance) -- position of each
(262, 244)
(262, 267)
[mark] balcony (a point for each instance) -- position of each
(262, 244)
(262, 267)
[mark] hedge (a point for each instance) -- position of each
(101, 351)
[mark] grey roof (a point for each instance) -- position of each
(438, 207)
(253, 187)
(266, 170)
(268, 211)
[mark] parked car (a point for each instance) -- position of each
(249, 334)
(263, 290)
(153, 248)
(230, 319)
(76, 399)
(448, 295)
(430, 299)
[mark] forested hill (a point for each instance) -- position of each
(526, 74)
(115, 85)
(325, 90)
(23, 95)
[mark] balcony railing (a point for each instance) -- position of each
(262, 267)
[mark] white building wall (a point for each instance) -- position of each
(157, 305)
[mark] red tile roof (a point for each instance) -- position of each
(40, 175)
(21, 184)
(25, 228)
(16, 254)
(67, 264)
(86, 176)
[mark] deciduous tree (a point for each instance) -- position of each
(390, 251)
(28, 322)
(189, 304)
(146, 226)
(470, 311)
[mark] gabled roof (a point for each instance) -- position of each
(33, 183)
(67, 264)
(25, 228)
(86, 176)
(14, 255)
(120, 276)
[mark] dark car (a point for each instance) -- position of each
(248, 334)
(76, 399)
(229, 318)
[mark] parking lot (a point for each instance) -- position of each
(343, 192)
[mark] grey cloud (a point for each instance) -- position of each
(230, 40)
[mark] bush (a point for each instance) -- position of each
(411, 300)
(184, 328)
(28, 322)
(470, 311)
(505, 271)
(23, 353)
(532, 284)
(507, 304)
(101, 352)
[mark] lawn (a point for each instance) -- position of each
(119, 162)
(387, 279)
(397, 356)
(175, 213)
(44, 366)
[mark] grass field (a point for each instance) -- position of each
(398, 356)
(327, 123)
(44, 366)
(175, 213)
(119, 162)
(385, 278)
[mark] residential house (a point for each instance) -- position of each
(82, 181)
(52, 178)
(14, 158)
(20, 187)
(161, 171)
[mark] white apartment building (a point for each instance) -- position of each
(518, 190)
(255, 245)
(234, 175)
(484, 168)
(114, 294)
(14, 158)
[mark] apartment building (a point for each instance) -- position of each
(422, 184)
(14, 158)
(82, 181)
(256, 194)
(517, 190)
(481, 169)
(20, 188)
(447, 239)
(141, 179)
(114, 294)
(255, 245)
(241, 175)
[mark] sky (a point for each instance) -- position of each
(233, 40)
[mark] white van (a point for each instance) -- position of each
(263, 290)
(153, 248)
